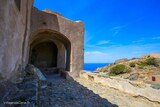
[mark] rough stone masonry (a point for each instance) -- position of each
(43, 38)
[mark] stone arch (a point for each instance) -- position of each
(59, 40)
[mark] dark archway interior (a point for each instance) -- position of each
(44, 55)
(40, 50)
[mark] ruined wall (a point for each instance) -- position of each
(19, 24)
(14, 28)
(74, 31)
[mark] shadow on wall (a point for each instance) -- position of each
(59, 92)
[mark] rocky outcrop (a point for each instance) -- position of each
(121, 60)
(155, 55)
(124, 85)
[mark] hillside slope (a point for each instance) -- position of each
(145, 69)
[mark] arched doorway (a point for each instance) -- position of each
(50, 49)
(44, 55)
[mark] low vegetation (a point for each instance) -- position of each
(119, 69)
(142, 64)
(140, 70)
(153, 61)
(150, 61)
(132, 64)
(148, 64)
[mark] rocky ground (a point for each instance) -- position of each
(117, 97)
(82, 93)
(85, 93)
(56, 91)
(69, 93)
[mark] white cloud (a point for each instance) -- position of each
(156, 38)
(94, 53)
(111, 53)
(138, 41)
(96, 56)
(103, 42)
(117, 27)
(88, 37)
(116, 30)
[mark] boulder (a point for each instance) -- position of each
(121, 60)
(133, 76)
(30, 69)
(18, 76)
(155, 86)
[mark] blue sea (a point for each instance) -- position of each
(93, 66)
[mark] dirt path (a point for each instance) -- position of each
(69, 93)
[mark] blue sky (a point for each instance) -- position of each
(113, 28)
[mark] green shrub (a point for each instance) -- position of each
(152, 61)
(112, 74)
(132, 64)
(142, 64)
(118, 69)
(158, 62)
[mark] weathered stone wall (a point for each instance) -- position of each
(73, 31)
(18, 28)
(14, 28)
